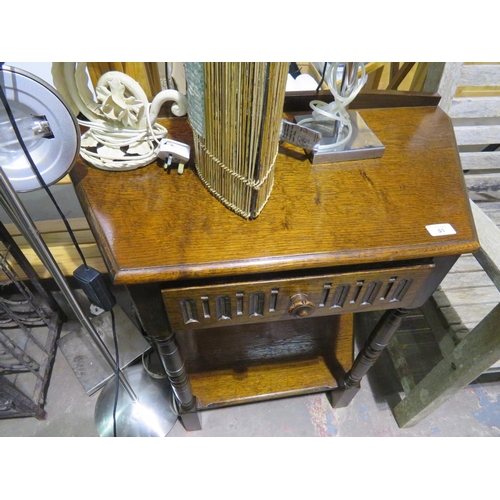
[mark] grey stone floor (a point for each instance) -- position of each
(473, 412)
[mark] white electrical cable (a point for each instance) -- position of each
(336, 111)
(145, 365)
(148, 141)
(109, 144)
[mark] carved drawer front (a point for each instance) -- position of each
(274, 300)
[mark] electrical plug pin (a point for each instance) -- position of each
(174, 152)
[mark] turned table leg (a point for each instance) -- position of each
(173, 363)
(154, 320)
(381, 335)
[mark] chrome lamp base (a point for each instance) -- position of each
(151, 415)
(362, 145)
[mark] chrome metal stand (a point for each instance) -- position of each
(347, 140)
(144, 420)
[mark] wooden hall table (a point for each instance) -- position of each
(241, 311)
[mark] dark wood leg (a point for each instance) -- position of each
(173, 364)
(376, 343)
(341, 397)
(154, 320)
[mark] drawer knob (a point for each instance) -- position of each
(300, 305)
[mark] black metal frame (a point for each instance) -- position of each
(30, 322)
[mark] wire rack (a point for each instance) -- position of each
(30, 321)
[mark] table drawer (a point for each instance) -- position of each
(281, 299)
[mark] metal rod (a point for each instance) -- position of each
(16, 211)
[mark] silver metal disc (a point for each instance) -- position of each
(151, 416)
(29, 96)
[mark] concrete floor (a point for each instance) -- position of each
(474, 411)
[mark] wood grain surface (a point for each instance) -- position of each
(330, 294)
(157, 226)
(236, 365)
(158, 230)
(58, 240)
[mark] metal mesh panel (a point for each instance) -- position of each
(29, 326)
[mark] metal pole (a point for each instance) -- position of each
(16, 211)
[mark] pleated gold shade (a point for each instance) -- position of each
(235, 111)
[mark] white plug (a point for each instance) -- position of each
(174, 152)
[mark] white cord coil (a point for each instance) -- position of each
(336, 111)
(142, 145)
(122, 133)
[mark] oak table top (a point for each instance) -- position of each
(154, 226)
(348, 221)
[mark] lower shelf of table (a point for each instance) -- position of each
(243, 364)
